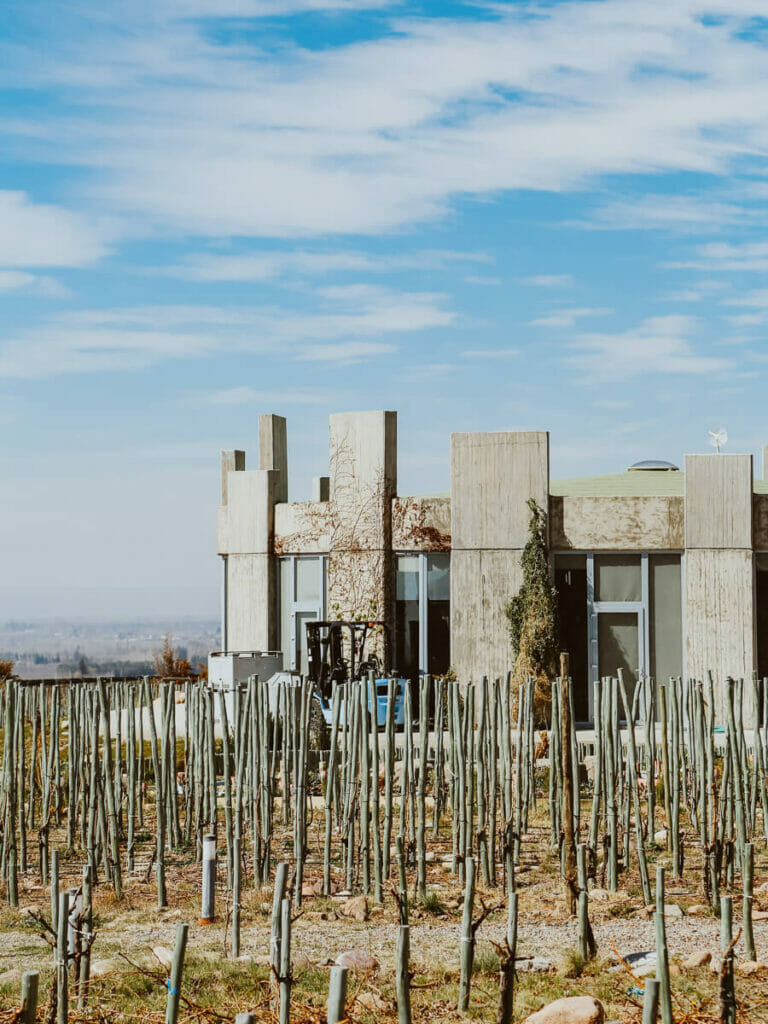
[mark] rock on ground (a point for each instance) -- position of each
(164, 955)
(699, 958)
(358, 960)
(571, 1010)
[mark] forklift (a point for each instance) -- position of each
(327, 645)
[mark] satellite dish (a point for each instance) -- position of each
(718, 438)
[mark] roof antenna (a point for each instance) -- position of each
(718, 438)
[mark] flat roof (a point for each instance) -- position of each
(631, 483)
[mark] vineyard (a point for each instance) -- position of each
(174, 852)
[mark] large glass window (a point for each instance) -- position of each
(422, 614)
(302, 600)
(619, 611)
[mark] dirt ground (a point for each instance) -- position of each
(129, 982)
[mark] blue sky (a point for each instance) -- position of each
(484, 215)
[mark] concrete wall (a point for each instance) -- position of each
(719, 569)
(492, 478)
(302, 528)
(421, 524)
(363, 481)
(244, 537)
(610, 524)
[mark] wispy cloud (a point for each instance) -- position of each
(549, 280)
(265, 266)
(659, 345)
(568, 317)
(724, 257)
(247, 396)
(90, 341)
(35, 284)
(190, 135)
(490, 353)
(43, 235)
(673, 212)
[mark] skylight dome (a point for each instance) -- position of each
(657, 464)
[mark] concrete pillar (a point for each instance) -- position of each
(363, 481)
(273, 450)
(492, 478)
(321, 488)
(231, 462)
(765, 462)
(719, 571)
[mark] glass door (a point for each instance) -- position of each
(617, 587)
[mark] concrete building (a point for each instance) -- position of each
(659, 570)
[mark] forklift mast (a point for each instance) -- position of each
(326, 661)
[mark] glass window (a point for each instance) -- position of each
(618, 578)
(286, 609)
(303, 583)
(422, 592)
(618, 639)
(666, 616)
(438, 614)
(407, 616)
(307, 580)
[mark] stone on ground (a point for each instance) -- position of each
(358, 960)
(356, 908)
(571, 1010)
(164, 955)
(699, 958)
(101, 967)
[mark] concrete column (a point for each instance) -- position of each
(719, 571)
(321, 488)
(273, 450)
(492, 478)
(363, 481)
(231, 462)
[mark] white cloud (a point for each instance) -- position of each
(344, 352)
(246, 396)
(265, 266)
(42, 235)
(89, 341)
(490, 353)
(188, 135)
(660, 345)
(549, 280)
(35, 284)
(669, 213)
(568, 317)
(725, 257)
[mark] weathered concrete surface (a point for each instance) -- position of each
(250, 512)
(302, 528)
(622, 523)
(251, 603)
(482, 582)
(321, 488)
(363, 481)
(273, 450)
(492, 478)
(718, 501)
(719, 571)
(719, 609)
(421, 524)
(232, 461)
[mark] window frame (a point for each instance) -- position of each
(319, 608)
(423, 601)
(642, 608)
